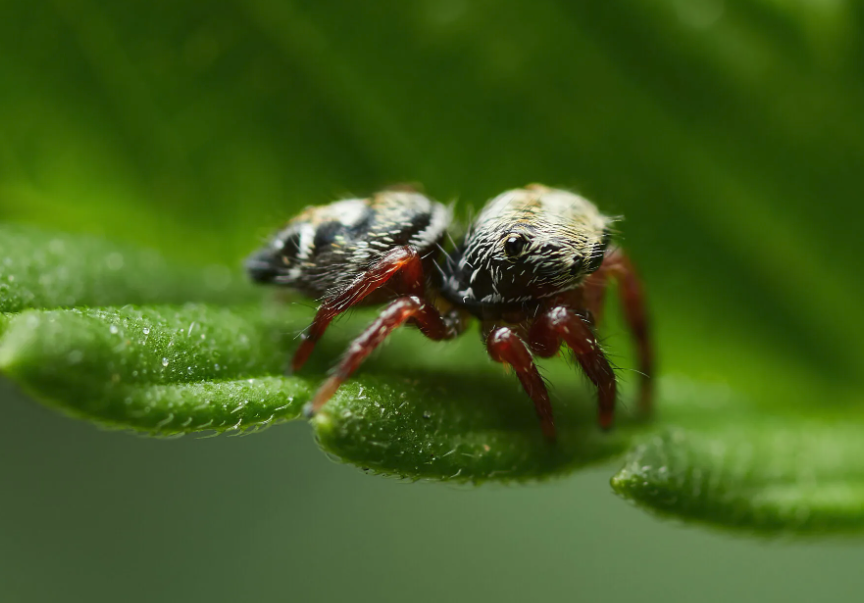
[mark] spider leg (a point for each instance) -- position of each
(617, 265)
(404, 260)
(505, 346)
(594, 294)
(560, 323)
(413, 308)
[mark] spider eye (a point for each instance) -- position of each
(514, 245)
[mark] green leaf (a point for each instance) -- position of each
(760, 474)
(41, 269)
(417, 410)
(163, 370)
(459, 427)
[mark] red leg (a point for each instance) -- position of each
(422, 313)
(403, 260)
(594, 293)
(505, 346)
(618, 266)
(561, 323)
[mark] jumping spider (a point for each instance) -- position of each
(532, 268)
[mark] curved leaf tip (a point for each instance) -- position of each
(768, 477)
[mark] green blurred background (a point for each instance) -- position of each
(729, 133)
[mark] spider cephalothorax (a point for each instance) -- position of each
(533, 268)
(527, 244)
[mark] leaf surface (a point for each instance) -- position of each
(160, 369)
(764, 475)
(43, 269)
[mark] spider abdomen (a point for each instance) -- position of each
(325, 247)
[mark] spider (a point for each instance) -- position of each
(532, 268)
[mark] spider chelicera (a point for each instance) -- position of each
(533, 268)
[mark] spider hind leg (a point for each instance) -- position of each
(617, 265)
(403, 261)
(402, 310)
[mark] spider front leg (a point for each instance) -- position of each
(413, 308)
(402, 260)
(561, 323)
(505, 346)
(617, 265)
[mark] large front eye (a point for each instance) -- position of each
(514, 245)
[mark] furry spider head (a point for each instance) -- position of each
(527, 244)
